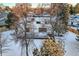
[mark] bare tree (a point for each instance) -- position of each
(21, 28)
(58, 25)
(21, 33)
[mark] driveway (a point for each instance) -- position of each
(71, 45)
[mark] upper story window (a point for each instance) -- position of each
(38, 22)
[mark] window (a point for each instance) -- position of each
(27, 29)
(46, 22)
(28, 21)
(42, 29)
(38, 22)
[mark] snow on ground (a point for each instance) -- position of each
(37, 44)
(15, 49)
(71, 45)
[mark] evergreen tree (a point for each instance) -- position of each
(49, 48)
(77, 8)
(9, 19)
(72, 11)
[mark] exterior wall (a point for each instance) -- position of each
(34, 27)
(42, 24)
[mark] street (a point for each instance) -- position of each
(71, 45)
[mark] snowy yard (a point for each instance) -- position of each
(15, 49)
(71, 45)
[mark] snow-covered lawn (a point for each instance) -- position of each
(71, 45)
(15, 49)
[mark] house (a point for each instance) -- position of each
(3, 19)
(39, 25)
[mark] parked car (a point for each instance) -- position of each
(77, 37)
(78, 29)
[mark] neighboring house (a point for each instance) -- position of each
(3, 19)
(38, 25)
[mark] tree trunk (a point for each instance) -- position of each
(26, 48)
(0, 45)
(0, 49)
(25, 38)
